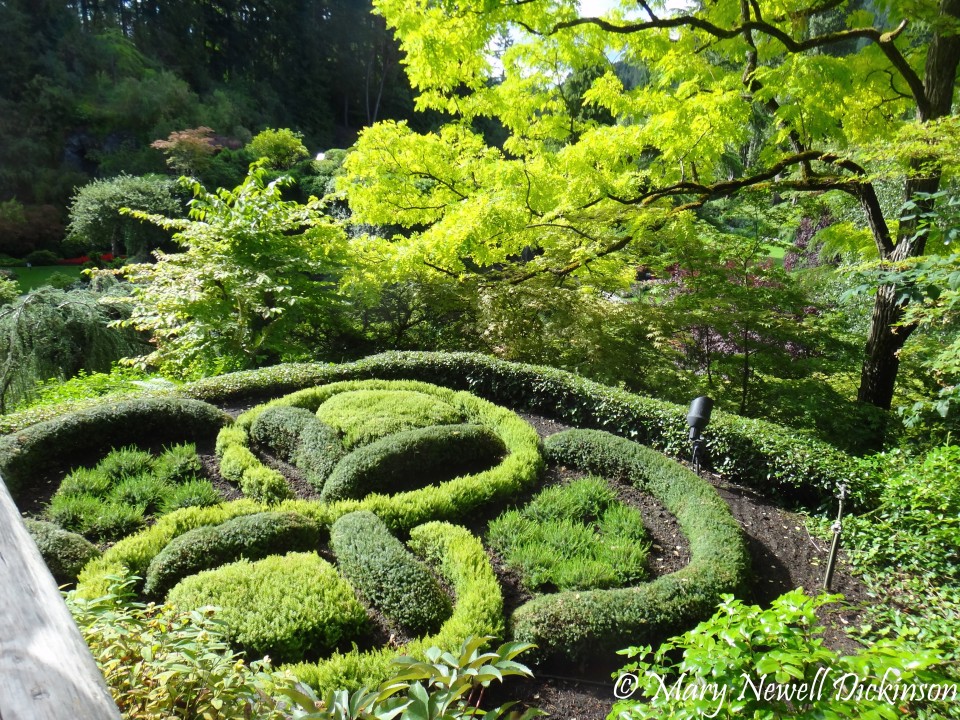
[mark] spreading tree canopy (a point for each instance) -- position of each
(612, 135)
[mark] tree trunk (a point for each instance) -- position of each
(885, 340)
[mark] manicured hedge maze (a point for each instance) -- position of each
(396, 461)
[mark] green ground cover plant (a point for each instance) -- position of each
(573, 537)
(113, 499)
(387, 575)
(289, 607)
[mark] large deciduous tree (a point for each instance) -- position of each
(776, 96)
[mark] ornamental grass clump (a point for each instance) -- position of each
(573, 537)
(129, 485)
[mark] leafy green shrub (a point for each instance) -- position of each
(763, 455)
(462, 562)
(412, 459)
(289, 607)
(363, 416)
(240, 466)
(297, 436)
(447, 685)
(387, 575)
(250, 536)
(36, 449)
(586, 624)
(65, 553)
(573, 537)
(282, 148)
(749, 662)
(192, 493)
(161, 663)
(279, 429)
(42, 258)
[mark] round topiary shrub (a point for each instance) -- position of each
(251, 536)
(65, 553)
(289, 607)
(364, 416)
(412, 459)
(387, 575)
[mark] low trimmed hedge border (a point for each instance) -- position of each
(296, 436)
(757, 453)
(460, 559)
(592, 624)
(65, 553)
(451, 500)
(33, 450)
(387, 575)
(250, 536)
(413, 458)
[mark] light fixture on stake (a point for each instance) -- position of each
(698, 417)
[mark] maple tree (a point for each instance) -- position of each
(685, 108)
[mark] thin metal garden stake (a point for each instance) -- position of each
(835, 546)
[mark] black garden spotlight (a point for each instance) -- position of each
(698, 417)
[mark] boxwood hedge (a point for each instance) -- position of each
(251, 536)
(65, 553)
(298, 437)
(763, 455)
(385, 573)
(581, 625)
(90, 433)
(459, 558)
(412, 459)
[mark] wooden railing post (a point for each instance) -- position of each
(46, 669)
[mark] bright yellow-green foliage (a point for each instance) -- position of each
(285, 606)
(616, 125)
(364, 416)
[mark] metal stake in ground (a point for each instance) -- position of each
(835, 546)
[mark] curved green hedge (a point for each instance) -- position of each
(451, 500)
(93, 431)
(251, 536)
(298, 437)
(580, 625)
(460, 559)
(757, 453)
(65, 553)
(384, 572)
(412, 459)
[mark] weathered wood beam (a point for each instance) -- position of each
(46, 669)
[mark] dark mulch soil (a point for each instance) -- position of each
(783, 555)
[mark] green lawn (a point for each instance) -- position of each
(34, 277)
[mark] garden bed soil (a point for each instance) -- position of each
(783, 554)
